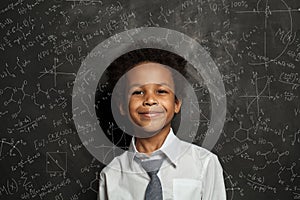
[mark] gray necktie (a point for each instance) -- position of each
(154, 189)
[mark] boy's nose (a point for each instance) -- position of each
(150, 100)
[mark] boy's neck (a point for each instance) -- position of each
(149, 145)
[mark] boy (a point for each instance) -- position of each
(157, 165)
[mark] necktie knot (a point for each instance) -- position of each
(152, 173)
(152, 166)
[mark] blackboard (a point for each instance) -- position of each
(44, 45)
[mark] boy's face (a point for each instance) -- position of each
(150, 97)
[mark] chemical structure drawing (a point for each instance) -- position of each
(270, 157)
(287, 175)
(243, 134)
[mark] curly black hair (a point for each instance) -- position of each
(129, 60)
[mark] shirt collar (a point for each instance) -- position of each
(170, 148)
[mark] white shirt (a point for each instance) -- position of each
(189, 172)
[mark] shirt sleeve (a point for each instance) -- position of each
(102, 195)
(214, 187)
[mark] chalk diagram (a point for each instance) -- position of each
(56, 162)
(232, 186)
(260, 92)
(10, 149)
(270, 17)
(54, 72)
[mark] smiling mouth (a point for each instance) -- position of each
(151, 115)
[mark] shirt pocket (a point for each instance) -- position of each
(187, 189)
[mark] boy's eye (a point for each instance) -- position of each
(162, 91)
(137, 92)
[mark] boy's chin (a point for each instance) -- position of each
(147, 131)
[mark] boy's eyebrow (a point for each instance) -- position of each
(140, 85)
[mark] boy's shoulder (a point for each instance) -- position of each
(197, 152)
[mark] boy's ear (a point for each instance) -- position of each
(121, 108)
(178, 103)
(119, 104)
